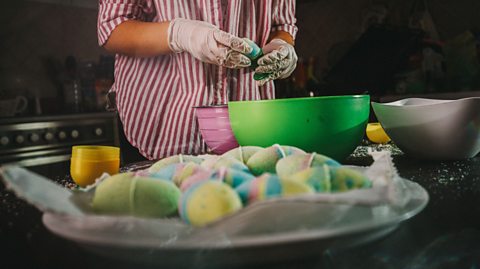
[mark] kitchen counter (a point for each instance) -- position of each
(446, 234)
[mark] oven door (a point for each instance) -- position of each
(44, 144)
(49, 163)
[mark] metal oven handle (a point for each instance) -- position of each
(42, 160)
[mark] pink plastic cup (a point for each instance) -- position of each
(215, 128)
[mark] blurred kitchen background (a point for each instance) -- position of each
(49, 52)
(54, 77)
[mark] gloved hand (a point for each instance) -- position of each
(207, 43)
(278, 62)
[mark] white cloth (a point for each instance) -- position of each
(207, 43)
(279, 60)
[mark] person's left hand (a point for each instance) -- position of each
(278, 62)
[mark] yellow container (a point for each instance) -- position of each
(376, 133)
(90, 162)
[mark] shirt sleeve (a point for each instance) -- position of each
(284, 17)
(111, 13)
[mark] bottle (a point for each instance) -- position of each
(87, 82)
(300, 79)
(103, 81)
(72, 90)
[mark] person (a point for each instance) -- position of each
(172, 56)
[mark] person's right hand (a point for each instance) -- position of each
(207, 43)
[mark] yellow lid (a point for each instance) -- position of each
(96, 153)
(376, 133)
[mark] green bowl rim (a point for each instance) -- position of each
(356, 96)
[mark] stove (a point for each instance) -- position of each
(43, 144)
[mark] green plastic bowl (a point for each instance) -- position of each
(330, 125)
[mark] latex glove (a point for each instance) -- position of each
(278, 62)
(207, 43)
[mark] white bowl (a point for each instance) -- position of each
(433, 129)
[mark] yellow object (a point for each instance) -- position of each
(293, 187)
(90, 162)
(376, 133)
(208, 202)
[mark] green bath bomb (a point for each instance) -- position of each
(295, 163)
(174, 159)
(208, 201)
(344, 179)
(316, 177)
(155, 198)
(242, 154)
(112, 195)
(265, 160)
(125, 194)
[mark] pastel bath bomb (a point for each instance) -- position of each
(195, 179)
(180, 158)
(210, 161)
(316, 177)
(265, 160)
(208, 201)
(344, 179)
(231, 177)
(242, 154)
(269, 186)
(298, 162)
(178, 172)
(256, 50)
(226, 162)
(126, 194)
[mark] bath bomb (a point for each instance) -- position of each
(344, 179)
(298, 162)
(208, 201)
(227, 162)
(268, 186)
(195, 178)
(126, 194)
(242, 154)
(316, 177)
(265, 160)
(255, 54)
(174, 159)
(178, 172)
(210, 161)
(231, 177)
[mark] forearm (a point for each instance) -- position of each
(137, 38)
(282, 35)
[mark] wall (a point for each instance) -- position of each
(32, 34)
(328, 27)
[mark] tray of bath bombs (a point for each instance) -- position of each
(204, 189)
(249, 196)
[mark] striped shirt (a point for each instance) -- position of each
(156, 96)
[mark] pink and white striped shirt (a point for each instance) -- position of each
(156, 96)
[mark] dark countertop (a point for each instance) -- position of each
(446, 234)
